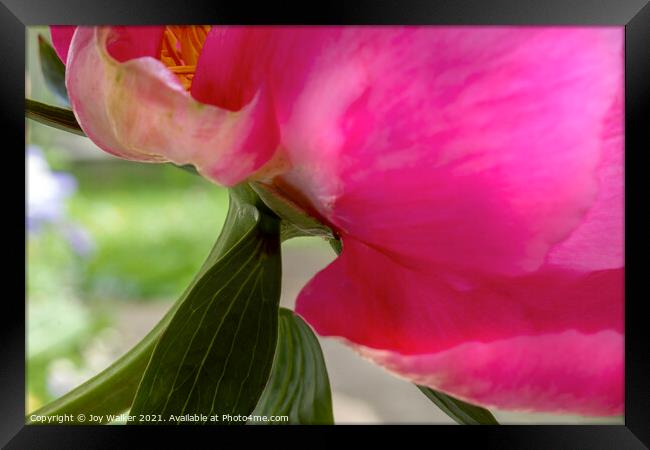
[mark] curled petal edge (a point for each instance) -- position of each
(138, 110)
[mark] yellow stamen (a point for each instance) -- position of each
(181, 48)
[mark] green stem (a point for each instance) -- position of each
(53, 116)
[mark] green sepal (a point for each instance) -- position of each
(299, 386)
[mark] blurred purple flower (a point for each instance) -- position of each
(79, 239)
(47, 193)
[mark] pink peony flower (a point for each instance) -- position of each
(474, 175)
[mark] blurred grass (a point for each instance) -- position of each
(153, 226)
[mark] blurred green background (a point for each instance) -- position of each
(128, 239)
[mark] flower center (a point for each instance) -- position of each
(181, 48)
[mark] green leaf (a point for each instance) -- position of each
(296, 222)
(461, 412)
(53, 116)
(112, 391)
(215, 356)
(53, 70)
(299, 386)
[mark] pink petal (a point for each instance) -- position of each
(474, 148)
(598, 242)
(125, 43)
(235, 61)
(138, 110)
(420, 322)
(454, 162)
(569, 373)
(231, 66)
(61, 37)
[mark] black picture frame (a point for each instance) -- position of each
(634, 15)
